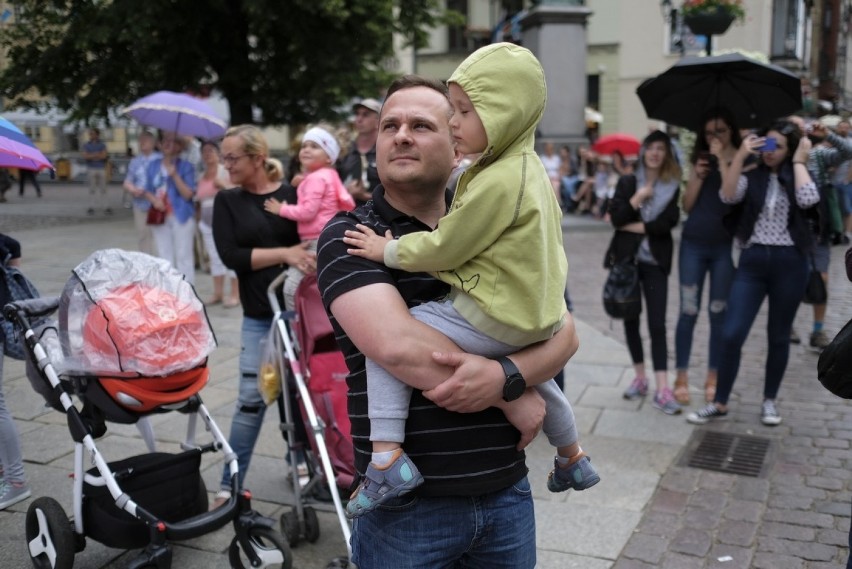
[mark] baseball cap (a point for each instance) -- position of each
(371, 104)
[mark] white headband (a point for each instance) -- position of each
(325, 141)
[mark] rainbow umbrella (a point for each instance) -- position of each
(18, 151)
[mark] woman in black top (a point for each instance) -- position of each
(643, 211)
(258, 246)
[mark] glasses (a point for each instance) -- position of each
(716, 132)
(230, 159)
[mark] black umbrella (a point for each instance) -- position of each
(754, 92)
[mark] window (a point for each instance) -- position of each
(33, 132)
(788, 30)
(593, 91)
(456, 36)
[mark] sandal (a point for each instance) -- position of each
(709, 390)
(681, 391)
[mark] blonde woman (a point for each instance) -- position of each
(257, 246)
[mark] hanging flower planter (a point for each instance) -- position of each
(711, 22)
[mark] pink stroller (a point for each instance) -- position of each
(132, 339)
(319, 376)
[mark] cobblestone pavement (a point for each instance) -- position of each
(797, 515)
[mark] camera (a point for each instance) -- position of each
(769, 145)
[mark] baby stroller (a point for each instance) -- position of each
(132, 340)
(318, 376)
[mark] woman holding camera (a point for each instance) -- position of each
(772, 230)
(705, 248)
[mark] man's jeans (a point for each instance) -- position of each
(694, 262)
(248, 416)
(492, 531)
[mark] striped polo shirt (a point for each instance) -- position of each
(461, 454)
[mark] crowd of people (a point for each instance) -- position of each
(440, 216)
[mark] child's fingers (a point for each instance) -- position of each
(364, 229)
(357, 252)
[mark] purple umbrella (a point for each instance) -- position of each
(177, 112)
(18, 151)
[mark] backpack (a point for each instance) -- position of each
(834, 367)
(16, 287)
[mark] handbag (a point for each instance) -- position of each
(18, 287)
(155, 216)
(834, 367)
(621, 293)
(815, 292)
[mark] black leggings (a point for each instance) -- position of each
(655, 290)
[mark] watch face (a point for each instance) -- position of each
(514, 387)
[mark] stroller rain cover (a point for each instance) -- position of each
(128, 314)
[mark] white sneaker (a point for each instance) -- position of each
(769, 413)
(11, 494)
(222, 496)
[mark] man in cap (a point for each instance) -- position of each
(357, 167)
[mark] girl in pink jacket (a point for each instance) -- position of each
(320, 195)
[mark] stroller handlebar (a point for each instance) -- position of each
(21, 311)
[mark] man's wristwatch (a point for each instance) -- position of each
(515, 384)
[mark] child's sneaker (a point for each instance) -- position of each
(705, 415)
(578, 476)
(397, 478)
(11, 494)
(664, 401)
(638, 388)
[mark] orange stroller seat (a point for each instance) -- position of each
(143, 395)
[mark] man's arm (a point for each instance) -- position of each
(405, 347)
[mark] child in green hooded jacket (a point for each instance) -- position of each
(500, 249)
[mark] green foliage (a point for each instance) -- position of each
(295, 60)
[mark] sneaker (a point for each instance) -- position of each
(578, 476)
(665, 402)
(819, 340)
(794, 337)
(11, 494)
(222, 496)
(705, 415)
(769, 413)
(638, 388)
(380, 485)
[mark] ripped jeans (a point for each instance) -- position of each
(694, 262)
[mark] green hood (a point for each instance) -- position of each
(505, 83)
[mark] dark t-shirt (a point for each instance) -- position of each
(350, 167)
(704, 223)
(464, 454)
(240, 224)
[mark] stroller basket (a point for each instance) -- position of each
(167, 485)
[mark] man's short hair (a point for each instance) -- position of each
(411, 81)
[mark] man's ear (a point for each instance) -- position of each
(457, 156)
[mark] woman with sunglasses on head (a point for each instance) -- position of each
(705, 248)
(644, 210)
(258, 246)
(773, 233)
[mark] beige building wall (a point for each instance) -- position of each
(628, 42)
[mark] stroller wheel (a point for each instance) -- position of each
(312, 529)
(266, 544)
(50, 539)
(290, 527)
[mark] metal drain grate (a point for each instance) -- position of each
(729, 453)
